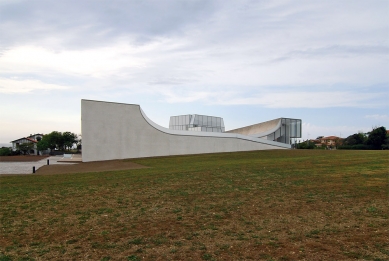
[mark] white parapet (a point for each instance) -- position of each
(120, 131)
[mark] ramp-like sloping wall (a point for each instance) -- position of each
(120, 131)
(259, 129)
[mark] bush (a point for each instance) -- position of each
(377, 138)
(5, 151)
(306, 145)
(355, 147)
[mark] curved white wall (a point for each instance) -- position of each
(121, 131)
(260, 129)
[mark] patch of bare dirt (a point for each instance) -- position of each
(22, 158)
(83, 167)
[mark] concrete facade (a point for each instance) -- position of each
(121, 131)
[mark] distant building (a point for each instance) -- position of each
(329, 142)
(33, 138)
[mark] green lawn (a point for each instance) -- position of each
(262, 205)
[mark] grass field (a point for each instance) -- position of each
(262, 205)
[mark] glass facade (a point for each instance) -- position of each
(194, 122)
(290, 128)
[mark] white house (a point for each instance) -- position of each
(33, 138)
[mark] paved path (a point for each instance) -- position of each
(26, 167)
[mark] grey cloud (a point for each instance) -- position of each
(88, 23)
(334, 50)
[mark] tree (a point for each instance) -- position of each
(306, 145)
(47, 142)
(355, 139)
(69, 139)
(57, 140)
(4, 151)
(79, 144)
(377, 138)
(385, 146)
(43, 144)
(26, 147)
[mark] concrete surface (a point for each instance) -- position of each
(26, 167)
(71, 158)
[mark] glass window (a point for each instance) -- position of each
(196, 120)
(287, 131)
(277, 133)
(298, 129)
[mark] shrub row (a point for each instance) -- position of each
(356, 147)
(8, 152)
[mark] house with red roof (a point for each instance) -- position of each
(33, 138)
(331, 142)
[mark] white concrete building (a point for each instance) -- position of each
(119, 131)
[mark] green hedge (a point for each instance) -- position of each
(5, 151)
(356, 147)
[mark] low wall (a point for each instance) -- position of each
(120, 131)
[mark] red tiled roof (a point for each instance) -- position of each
(29, 139)
(32, 140)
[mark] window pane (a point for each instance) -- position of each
(292, 128)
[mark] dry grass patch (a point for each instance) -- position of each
(264, 205)
(84, 167)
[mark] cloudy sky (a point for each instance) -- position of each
(325, 62)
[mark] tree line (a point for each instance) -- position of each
(59, 140)
(377, 139)
(55, 140)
